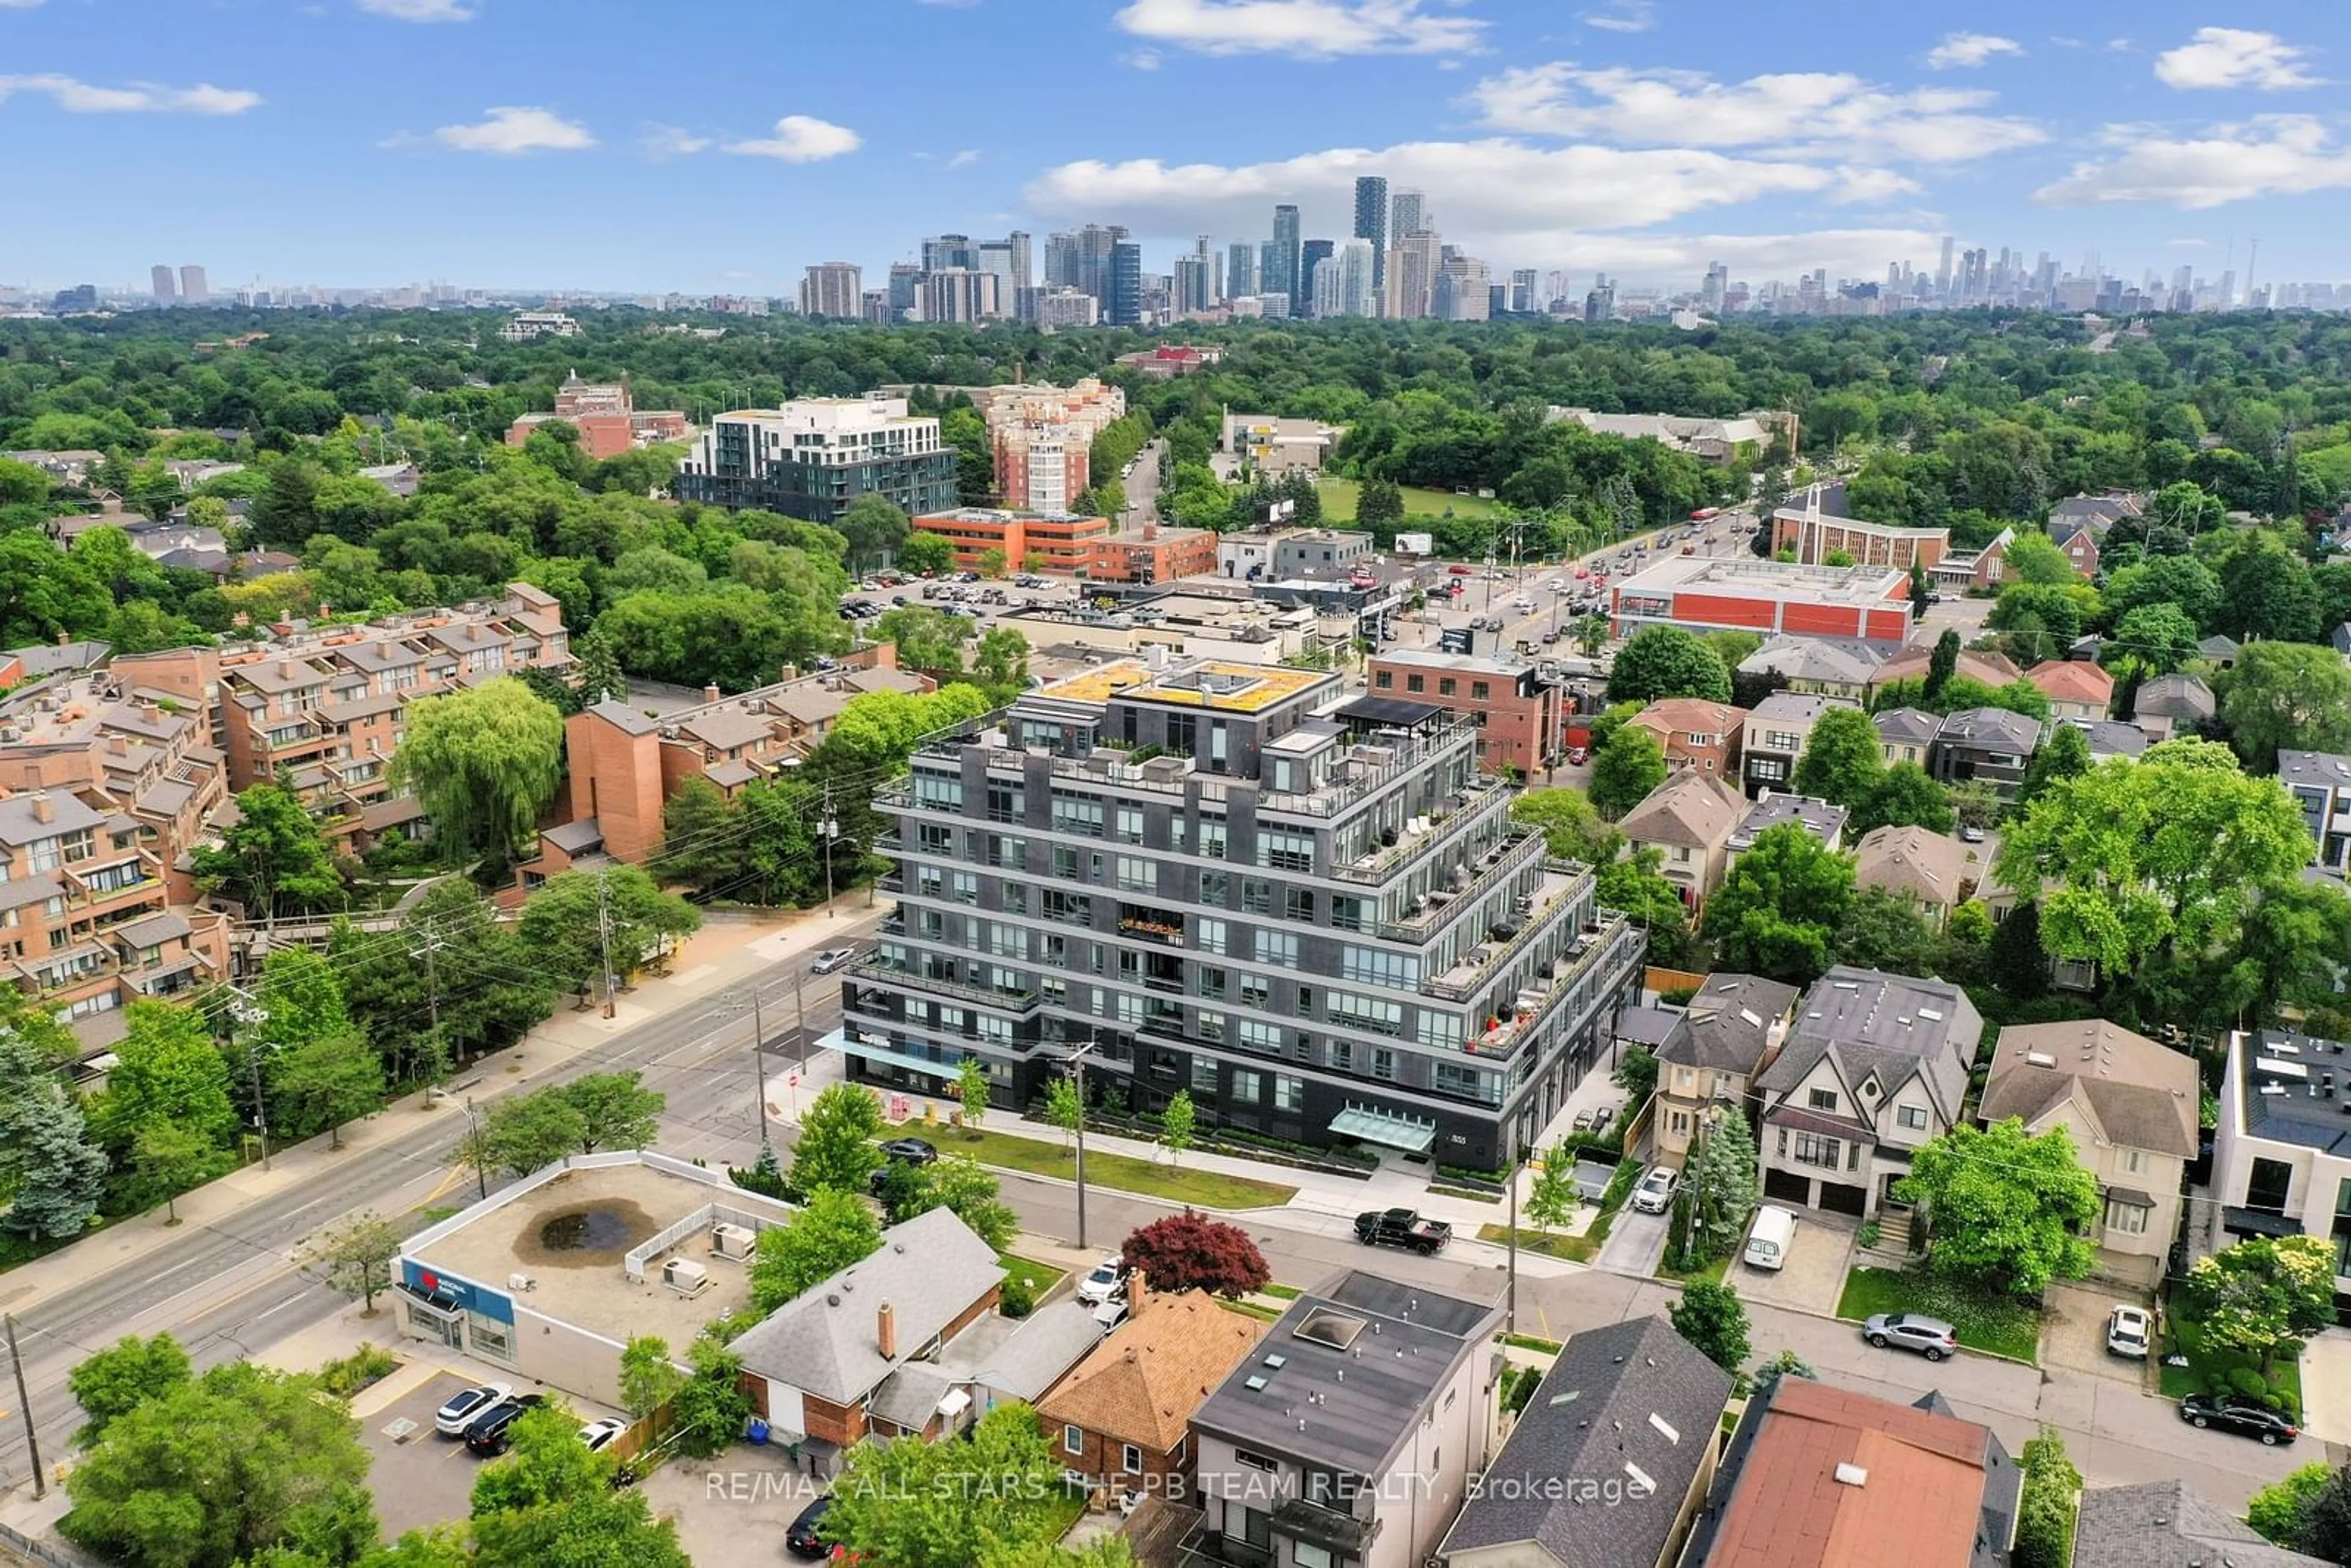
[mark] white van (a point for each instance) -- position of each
(1774, 1233)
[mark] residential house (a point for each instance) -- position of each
(1993, 670)
(2131, 1107)
(1875, 1066)
(858, 1356)
(1347, 1440)
(1823, 822)
(2320, 783)
(1907, 735)
(1928, 868)
(2340, 639)
(1696, 734)
(2157, 1522)
(1630, 1411)
(1729, 1031)
(1823, 666)
(1986, 745)
(1123, 1417)
(2110, 737)
(2095, 515)
(2282, 1152)
(1820, 1477)
(2077, 688)
(2173, 705)
(2080, 547)
(2224, 652)
(1777, 731)
(1689, 820)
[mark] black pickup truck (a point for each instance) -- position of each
(1401, 1228)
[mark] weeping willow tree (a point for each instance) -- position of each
(485, 763)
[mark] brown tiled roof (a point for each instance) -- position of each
(2072, 680)
(1144, 1382)
(1692, 809)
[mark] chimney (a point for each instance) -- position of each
(286, 669)
(324, 609)
(64, 638)
(710, 693)
(1138, 1293)
(1150, 532)
(152, 713)
(42, 810)
(885, 1331)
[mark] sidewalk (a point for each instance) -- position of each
(721, 954)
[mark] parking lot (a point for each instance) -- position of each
(1813, 1279)
(419, 1476)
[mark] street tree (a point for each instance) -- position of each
(1625, 769)
(1903, 797)
(971, 1090)
(273, 860)
(2005, 1209)
(1711, 1317)
(649, 1376)
(454, 987)
(1189, 1252)
(961, 1185)
(1777, 913)
(1063, 1106)
(2166, 854)
(911, 1503)
(147, 1496)
(1843, 759)
(563, 931)
(325, 1082)
(52, 1174)
(484, 762)
(356, 1257)
(1721, 1184)
(2287, 696)
(836, 1150)
(1667, 661)
(523, 1132)
(167, 1159)
(166, 1069)
(616, 1109)
(1178, 1124)
(121, 1377)
(833, 1230)
(1571, 828)
(1551, 1197)
(2264, 1296)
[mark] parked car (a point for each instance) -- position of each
(1108, 1277)
(488, 1434)
(1971, 834)
(1930, 1337)
(2242, 1417)
(910, 1151)
(1401, 1228)
(801, 1539)
(1110, 1313)
(1655, 1193)
(2126, 1333)
(832, 958)
(1577, 756)
(600, 1434)
(1457, 569)
(451, 1419)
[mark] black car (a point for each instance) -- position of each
(488, 1434)
(801, 1539)
(2241, 1416)
(911, 1151)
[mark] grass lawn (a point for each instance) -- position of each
(1339, 502)
(2184, 1335)
(1066, 1509)
(2004, 1328)
(1574, 1248)
(1122, 1172)
(1280, 1292)
(1251, 1310)
(1705, 1273)
(1041, 1277)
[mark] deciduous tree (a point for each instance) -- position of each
(2005, 1209)
(325, 1082)
(1667, 661)
(1843, 759)
(1625, 769)
(837, 1151)
(484, 762)
(1777, 913)
(971, 1090)
(1177, 1124)
(1551, 1197)
(649, 1377)
(2286, 696)
(1903, 797)
(833, 1230)
(121, 1377)
(273, 860)
(563, 931)
(166, 1069)
(1189, 1252)
(616, 1111)
(1711, 1317)
(917, 1504)
(2263, 1297)
(356, 1257)
(1572, 827)
(959, 1184)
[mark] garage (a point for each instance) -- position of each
(1787, 1186)
(1843, 1197)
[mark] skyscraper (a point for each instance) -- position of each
(905, 289)
(1309, 254)
(1267, 266)
(1407, 215)
(1061, 261)
(1412, 275)
(941, 252)
(165, 291)
(1192, 283)
(193, 289)
(1523, 291)
(1240, 270)
(1096, 243)
(1017, 242)
(834, 288)
(1123, 284)
(1943, 272)
(1358, 295)
(1285, 276)
(1372, 222)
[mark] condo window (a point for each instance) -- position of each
(1203, 1075)
(1277, 947)
(1208, 936)
(1914, 1117)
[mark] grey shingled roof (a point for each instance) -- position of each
(930, 1272)
(19, 824)
(1632, 1398)
(1915, 727)
(1868, 1022)
(1692, 809)
(2144, 1095)
(1023, 1358)
(1730, 1023)
(2156, 1524)
(2174, 696)
(1991, 729)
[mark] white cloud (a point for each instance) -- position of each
(1817, 114)
(964, 158)
(1500, 196)
(139, 98)
(662, 142)
(19, 5)
(1965, 51)
(2233, 56)
(1625, 16)
(1140, 59)
(802, 139)
(421, 10)
(1315, 30)
(510, 132)
(2271, 155)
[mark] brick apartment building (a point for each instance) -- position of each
(1059, 543)
(1518, 716)
(323, 708)
(1043, 437)
(606, 418)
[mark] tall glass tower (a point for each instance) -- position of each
(1372, 223)
(1284, 276)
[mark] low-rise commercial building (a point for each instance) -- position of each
(1718, 594)
(1715, 439)
(813, 458)
(1517, 714)
(1061, 543)
(1274, 446)
(606, 416)
(1274, 555)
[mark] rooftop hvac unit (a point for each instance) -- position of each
(686, 1277)
(732, 1240)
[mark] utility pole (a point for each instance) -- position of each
(759, 1059)
(832, 831)
(1077, 1060)
(25, 1406)
(473, 1127)
(252, 1015)
(432, 945)
(604, 937)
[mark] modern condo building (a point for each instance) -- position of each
(810, 458)
(1310, 911)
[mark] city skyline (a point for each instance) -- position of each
(1635, 140)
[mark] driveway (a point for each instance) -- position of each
(1813, 1279)
(735, 1508)
(1635, 1243)
(2327, 1387)
(2074, 1333)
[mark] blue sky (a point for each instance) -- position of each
(723, 146)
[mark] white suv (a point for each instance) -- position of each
(1656, 1190)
